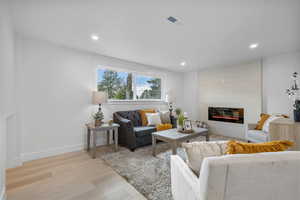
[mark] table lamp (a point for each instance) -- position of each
(98, 99)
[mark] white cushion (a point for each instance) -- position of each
(266, 125)
(257, 135)
(262, 176)
(153, 119)
(197, 151)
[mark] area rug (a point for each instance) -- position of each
(148, 174)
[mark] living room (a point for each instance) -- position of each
(218, 66)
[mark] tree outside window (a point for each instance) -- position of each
(128, 86)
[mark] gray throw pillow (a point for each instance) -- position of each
(197, 151)
(165, 117)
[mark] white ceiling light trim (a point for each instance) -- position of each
(94, 37)
(183, 63)
(253, 46)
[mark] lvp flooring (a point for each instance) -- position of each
(71, 176)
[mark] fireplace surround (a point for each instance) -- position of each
(224, 114)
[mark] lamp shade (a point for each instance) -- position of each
(99, 97)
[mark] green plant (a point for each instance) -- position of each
(297, 105)
(181, 119)
(178, 111)
(98, 116)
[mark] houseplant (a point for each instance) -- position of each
(178, 111)
(98, 117)
(180, 121)
(293, 93)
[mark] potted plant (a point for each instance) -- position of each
(98, 117)
(297, 111)
(180, 121)
(178, 111)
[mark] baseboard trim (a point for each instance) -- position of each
(2, 194)
(16, 162)
(50, 152)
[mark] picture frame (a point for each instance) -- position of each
(187, 124)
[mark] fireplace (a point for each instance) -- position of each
(233, 115)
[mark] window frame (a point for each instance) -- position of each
(134, 74)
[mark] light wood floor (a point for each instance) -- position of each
(71, 176)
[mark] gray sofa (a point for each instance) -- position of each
(132, 134)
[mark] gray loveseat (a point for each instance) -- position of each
(131, 132)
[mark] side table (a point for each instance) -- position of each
(104, 128)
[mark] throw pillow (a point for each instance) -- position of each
(260, 123)
(165, 117)
(234, 147)
(144, 117)
(197, 151)
(162, 127)
(153, 119)
(266, 125)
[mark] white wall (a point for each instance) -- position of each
(238, 86)
(191, 95)
(277, 71)
(7, 86)
(54, 92)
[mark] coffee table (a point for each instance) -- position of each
(175, 138)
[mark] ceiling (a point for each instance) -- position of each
(209, 33)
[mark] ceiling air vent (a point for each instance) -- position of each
(172, 19)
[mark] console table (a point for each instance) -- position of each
(286, 129)
(106, 129)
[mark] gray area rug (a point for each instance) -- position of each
(149, 175)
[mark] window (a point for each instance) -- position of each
(147, 87)
(128, 86)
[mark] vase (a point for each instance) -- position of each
(98, 122)
(297, 115)
(179, 127)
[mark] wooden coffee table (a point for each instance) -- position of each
(175, 138)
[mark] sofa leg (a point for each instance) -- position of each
(132, 150)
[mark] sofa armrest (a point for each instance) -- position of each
(184, 183)
(126, 131)
(120, 120)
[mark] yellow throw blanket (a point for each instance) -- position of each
(235, 147)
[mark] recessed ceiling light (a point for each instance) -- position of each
(253, 46)
(183, 63)
(94, 37)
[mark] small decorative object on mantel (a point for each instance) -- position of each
(98, 99)
(293, 93)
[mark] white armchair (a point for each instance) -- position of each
(256, 136)
(263, 176)
(278, 129)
